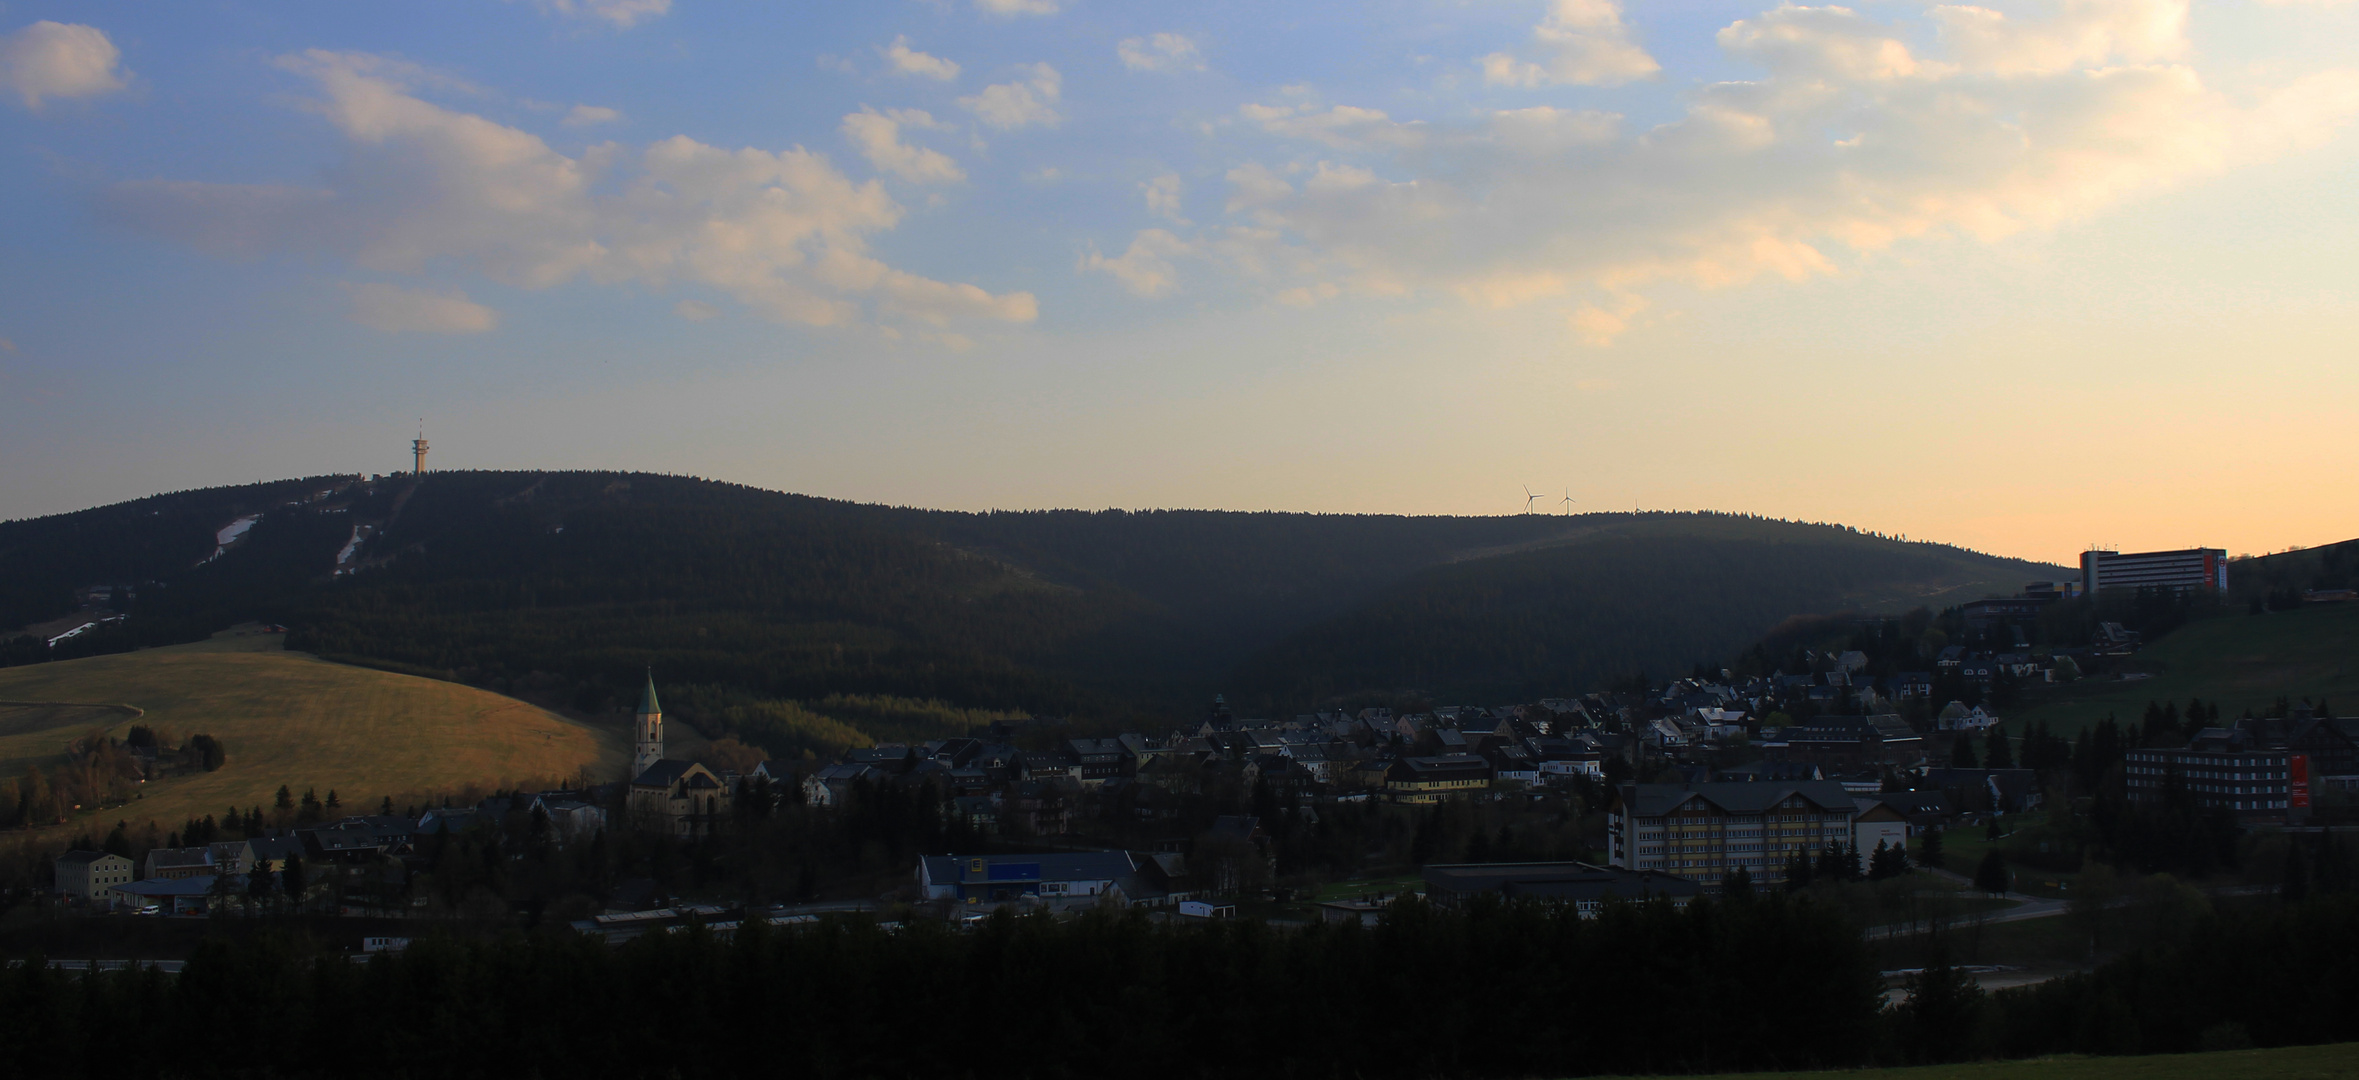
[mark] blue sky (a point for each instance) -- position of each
(2027, 276)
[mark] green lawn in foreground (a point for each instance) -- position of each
(2236, 661)
(2339, 1061)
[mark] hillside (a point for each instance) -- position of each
(287, 718)
(1646, 595)
(561, 586)
(2236, 661)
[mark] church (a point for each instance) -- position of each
(680, 798)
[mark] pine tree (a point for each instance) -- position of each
(1880, 862)
(1991, 876)
(1929, 847)
(2000, 757)
(2296, 887)
(1737, 884)
(1798, 871)
(1961, 753)
(1940, 1016)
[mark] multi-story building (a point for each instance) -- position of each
(2250, 782)
(92, 876)
(1703, 831)
(2191, 568)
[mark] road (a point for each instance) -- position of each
(2034, 907)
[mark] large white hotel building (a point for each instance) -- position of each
(2192, 568)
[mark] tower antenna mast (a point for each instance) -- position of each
(418, 450)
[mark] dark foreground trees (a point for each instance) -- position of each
(1492, 992)
(1767, 981)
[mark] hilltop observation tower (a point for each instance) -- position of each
(418, 453)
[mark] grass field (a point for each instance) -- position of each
(2237, 661)
(1363, 887)
(2338, 1061)
(289, 718)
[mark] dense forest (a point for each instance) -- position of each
(2278, 581)
(1655, 596)
(565, 585)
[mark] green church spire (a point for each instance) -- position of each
(647, 705)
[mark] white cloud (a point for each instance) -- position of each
(1342, 127)
(1861, 135)
(1145, 269)
(695, 310)
(1162, 52)
(624, 14)
(878, 137)
(1023, 103)
(908, 61)
(784, 233)
(1008, 9)
(1831, 40)
(396, 310)
(1580, 42)
(590, 115)
(1163, 197)
(60, 60)
(2083, 33)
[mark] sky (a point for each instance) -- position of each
(2027, 277)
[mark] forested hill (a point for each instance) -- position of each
(1652, 595)
(572, 582)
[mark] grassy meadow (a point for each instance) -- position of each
(2337, 1061)
(290, 718)
(2237, 661)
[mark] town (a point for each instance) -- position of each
(1836, 764)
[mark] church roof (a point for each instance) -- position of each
(647, 705)
(665, 773)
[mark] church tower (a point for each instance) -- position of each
(649, 730)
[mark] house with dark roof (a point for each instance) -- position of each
(1922, 809)
(1773, 770)
(165, 864)
(1431, 779)
(1101, 759)
(1852, 740)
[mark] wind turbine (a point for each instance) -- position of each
(1529, 498)
(1569, 501)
